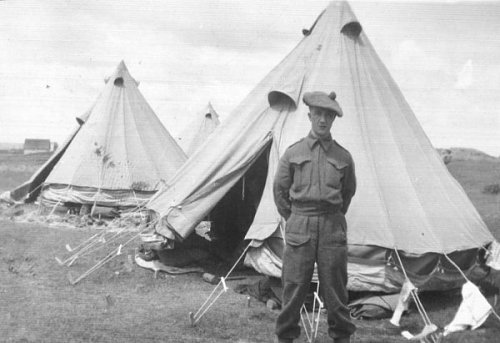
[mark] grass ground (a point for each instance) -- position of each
(17, 168)
(474, 176)
(124, 303)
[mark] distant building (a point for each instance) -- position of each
(33, 146)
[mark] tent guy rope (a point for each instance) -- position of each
(195, 317)
(429, 326)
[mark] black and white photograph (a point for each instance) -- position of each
(300, 171)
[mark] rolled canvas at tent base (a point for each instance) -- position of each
(376, 269)
(54, 194)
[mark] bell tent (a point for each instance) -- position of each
(119, 155)
(197, 132)
(406, 201)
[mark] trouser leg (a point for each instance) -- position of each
(297, 272)
(332, 272)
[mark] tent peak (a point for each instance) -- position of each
(122, 66)
(210, 111)
(121, 76)
(349, 24)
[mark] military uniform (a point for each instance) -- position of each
(313, 188)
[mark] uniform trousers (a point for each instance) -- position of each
(315, 237)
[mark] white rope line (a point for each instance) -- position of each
(208, 298)
(107, 258)
(204, 307)
(54, 208)
(105, 243)
(34, 190)
(82, 251)
(57, 203)
(416, 299)
(466, 279)
(413, 292)
(94, 240)
(238, 260)
(75, 255)
(70, 249)
(98, 237)
(115, 252)
(198, 316)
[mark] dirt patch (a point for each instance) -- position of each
(23, 267)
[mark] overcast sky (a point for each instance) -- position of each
(54, 55)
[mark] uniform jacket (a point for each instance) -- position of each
(314, 172)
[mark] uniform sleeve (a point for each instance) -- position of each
(348, 187)
(281, 187)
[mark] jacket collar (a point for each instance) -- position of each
(325, 143)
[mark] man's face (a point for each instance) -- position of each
(321, 121)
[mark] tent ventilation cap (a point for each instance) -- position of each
(118, 82)
(279, 99)
(352, 29)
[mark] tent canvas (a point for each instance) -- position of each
(120, 155)
(406, 198)
(197, 132)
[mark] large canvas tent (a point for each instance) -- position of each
(197, 132)
(406, 199)
(119, 155)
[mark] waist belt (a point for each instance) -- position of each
(314, 208)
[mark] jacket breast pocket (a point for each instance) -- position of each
(335, 171)
(301, 171)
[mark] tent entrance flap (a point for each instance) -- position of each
(234, 213)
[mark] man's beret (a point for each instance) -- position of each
(323, 100)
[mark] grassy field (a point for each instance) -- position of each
(17, 168)
(474, 176)
(124, 303)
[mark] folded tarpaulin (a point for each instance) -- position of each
(374, 307)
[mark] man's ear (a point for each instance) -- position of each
(309, 115)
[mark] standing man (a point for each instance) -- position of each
(313, 188)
